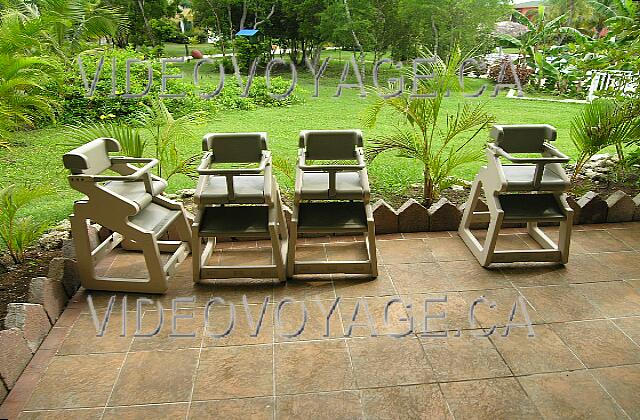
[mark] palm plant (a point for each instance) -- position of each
(18, 233)
(601, 124)
(23, 98)
(426, 135)
(165, 132)
(132, 143)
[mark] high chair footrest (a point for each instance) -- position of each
(235, 221)
(531, 207)
(332, 217)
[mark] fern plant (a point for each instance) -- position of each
(426, 134)
(17, 233)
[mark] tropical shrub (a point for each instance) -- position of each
(17, 232)
(601, 124)
(104, 106)
(426, 135)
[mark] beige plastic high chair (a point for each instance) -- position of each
(332, 198)
(530, 190)
(238, 202)
(128, 202)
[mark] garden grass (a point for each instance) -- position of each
(36, 157)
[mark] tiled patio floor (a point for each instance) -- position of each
(584, 361)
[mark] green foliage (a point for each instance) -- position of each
(247, 50)
(601, 124)
(17, 233)
(165, 132)
(103, 106)
(166, 30)
(23, 98)
(131, 142)
(424, 135)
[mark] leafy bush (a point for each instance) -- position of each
(165, 30)
(18, 233)
(248, 50)
(102, 106)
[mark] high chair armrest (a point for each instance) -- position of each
(132, 177)
(330, 168)
(204, 168)
(558, 156)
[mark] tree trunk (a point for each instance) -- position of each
(427, 194)
(147, 27)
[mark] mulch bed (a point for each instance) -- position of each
(14, 279)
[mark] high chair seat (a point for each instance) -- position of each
(520, 178)
(135, 191)
(315, 186)
(248, 189)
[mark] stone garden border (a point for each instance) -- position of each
(37, 324)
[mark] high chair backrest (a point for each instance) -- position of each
(523, 138)
(91, 158)
(235, 147)
(330, 144)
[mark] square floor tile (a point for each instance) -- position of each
(626, 265)
(235, 290)
(469, 275)
(534, 274)
(155, 377)
(329, 405)
(234, 372)
(74, 414)
(385, 361)
(465, 357)
(365, 317)
(312, 366)
(587, 269)
(598, 343)
(630, 326)
(305, 288)
(347, 286)
(598, 241)
(234, 326)
(445, 311)
(449, 249)
(166, 338)
(246, 408)
(83, 339)
(491, 398)
(570, 395)
(613, 299)
(623, 384)
(156, 411)
(347, 251)
(419, 278)
(78, 381)
(404, 251)
(410, 402)
(544, 352)
(496, 308)
(628, 236)
(307, 320)
(560, 303)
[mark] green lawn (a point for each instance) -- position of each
(35, 158)
(177, 50)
